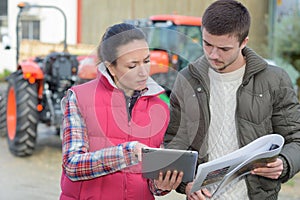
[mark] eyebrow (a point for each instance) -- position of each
(134, 61)
(225, 47)
(147, 57)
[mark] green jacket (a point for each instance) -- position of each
(266, 103)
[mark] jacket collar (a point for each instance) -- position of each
(254, 64)
(153, 88)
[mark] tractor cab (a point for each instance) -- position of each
(179, 36)
(174, 41)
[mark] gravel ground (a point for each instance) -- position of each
(44, 165)
(2, 88)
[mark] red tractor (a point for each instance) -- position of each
(34, 92)
(174, 40)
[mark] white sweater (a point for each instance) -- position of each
(222, 135)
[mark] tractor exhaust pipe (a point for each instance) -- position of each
(23, 6)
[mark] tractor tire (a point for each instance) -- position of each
(3, 115)
(22, 115)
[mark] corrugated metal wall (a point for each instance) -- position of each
(99, 14)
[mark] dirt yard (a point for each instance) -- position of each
(38, 176)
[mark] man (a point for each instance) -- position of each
(230, 97)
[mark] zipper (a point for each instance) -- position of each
(130, 116)
(207, 93)
(125, 186)
(238, 93)
(128, 113)
(127, 108)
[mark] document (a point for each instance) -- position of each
(225, 170)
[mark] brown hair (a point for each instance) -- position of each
(227, 17)
(115, 36)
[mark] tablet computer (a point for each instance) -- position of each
(155, 160)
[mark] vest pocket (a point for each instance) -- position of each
(70, 189)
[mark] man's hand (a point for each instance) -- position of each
(198, 195)
(272, 170)
(169, 182)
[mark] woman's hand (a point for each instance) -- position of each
(170, 182)
(198, 195)
(138, 150)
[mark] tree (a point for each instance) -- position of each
(286, 41)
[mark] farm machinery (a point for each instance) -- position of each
(174, 41)
(34, 92)
(37, 86)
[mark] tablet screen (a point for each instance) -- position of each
(155, 160)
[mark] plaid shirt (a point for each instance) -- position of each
(79, 163)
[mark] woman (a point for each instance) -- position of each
(108, 120)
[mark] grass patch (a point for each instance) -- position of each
(4, 74)
(290, 183)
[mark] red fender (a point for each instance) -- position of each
(159, 62)
(31, 71)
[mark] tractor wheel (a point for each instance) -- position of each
(3, 116)
(21, 115)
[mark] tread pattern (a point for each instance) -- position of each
(27, 116)
(3, 115)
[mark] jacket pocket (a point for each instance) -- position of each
(252, 130)
(254, 107)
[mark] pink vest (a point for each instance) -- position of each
(104, 111)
